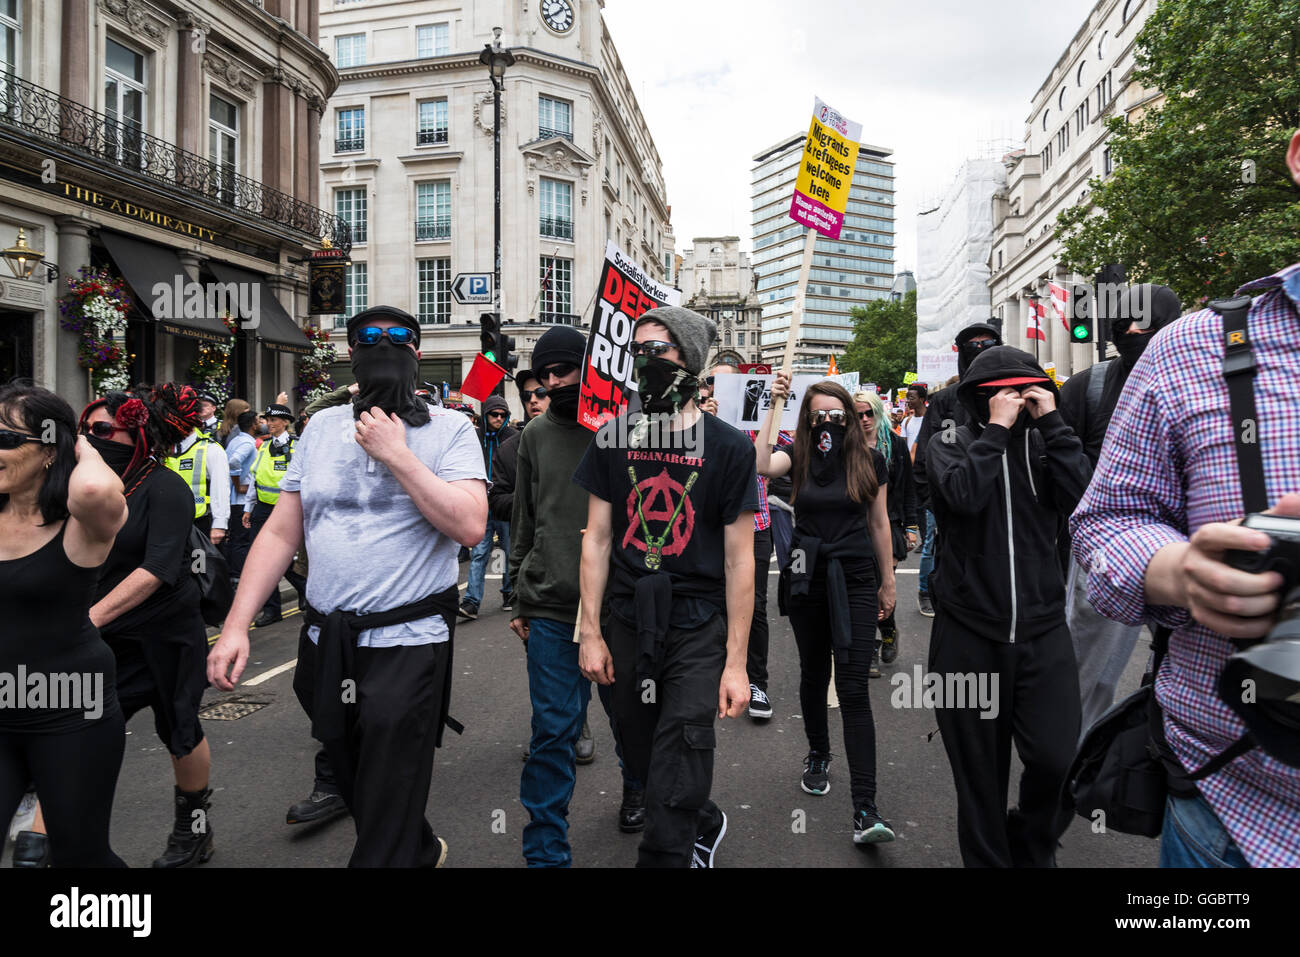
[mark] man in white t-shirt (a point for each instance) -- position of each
(384, 476)
(916, 394)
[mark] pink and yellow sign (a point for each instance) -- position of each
(821, 190)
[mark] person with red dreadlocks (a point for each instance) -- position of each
(147, 603)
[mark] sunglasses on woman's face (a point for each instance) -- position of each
(836, 416)
(653, 347)
(539, 392)
(100, 429)
(866, 415)
(398, 336)
(12, 440)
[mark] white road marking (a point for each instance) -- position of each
(268, 675)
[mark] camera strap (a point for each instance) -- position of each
(1239, 373)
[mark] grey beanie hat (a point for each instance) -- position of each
(693, 333)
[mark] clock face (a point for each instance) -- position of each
(558, 15)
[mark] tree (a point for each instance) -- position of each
(883, 349)
(1200, 199)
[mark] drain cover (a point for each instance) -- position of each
(231, 709)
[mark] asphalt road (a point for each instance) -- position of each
(262, 763)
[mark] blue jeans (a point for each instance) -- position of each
(1195, 837)
(559, 696)
(927, 555)
(478, 562)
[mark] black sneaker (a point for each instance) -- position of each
(320, 807)
(706, 845)
(760, 708)
(508, 602)
(815, 778)
(888, 645)
(870, 828)
(265, 618)
(874, 670)
(468, 610)
(631, 813)
(923, 605)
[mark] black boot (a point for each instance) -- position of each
(631, 816)
(190, 842)
(31, 849)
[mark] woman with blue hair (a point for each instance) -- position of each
(900, 501)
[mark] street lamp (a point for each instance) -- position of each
(496, 60)
(23, 260)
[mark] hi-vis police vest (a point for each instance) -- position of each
(192, 465)
(269, 469)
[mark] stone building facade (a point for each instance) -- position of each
(717, 280)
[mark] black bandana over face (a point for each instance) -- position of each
(1131, 345)
(386, 374)
(564, 401)
(828, 447)
(115, 455)
(663, 386)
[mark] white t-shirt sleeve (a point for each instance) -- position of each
(463, 457)
(292, 481)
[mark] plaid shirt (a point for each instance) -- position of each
(1168, 467)
(763, 517)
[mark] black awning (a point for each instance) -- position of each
(159, 282)
(273, 326)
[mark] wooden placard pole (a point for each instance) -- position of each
(796, 317)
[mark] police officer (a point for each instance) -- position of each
(201, 461)
(209, 424)
(269, 469)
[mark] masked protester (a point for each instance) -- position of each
(998, 490)
(60, 510)
(365, 485)
(944, 414)
(494, 431)
(1102, 647)
(670, 531)
(147, 603)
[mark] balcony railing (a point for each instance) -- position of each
(557, 228)
(32, 115)
(439, 228)
(430, 137)
(559, 319)
(545, 133)
(349, 144)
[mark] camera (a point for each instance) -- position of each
(1261, 683)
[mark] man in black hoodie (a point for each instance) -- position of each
(999, 486)
(492, 433)
(943, 415)
(1103, 647)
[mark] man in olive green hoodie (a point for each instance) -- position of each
(546, 550)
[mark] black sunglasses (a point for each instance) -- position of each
(708, 380)
(559, 370)
(12, 440)
(866, 415)
(496, 414)
(836, 416)
(398, 335)
(539, 392)
(101, 429)
(651, 348)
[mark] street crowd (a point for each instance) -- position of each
(1052, 524)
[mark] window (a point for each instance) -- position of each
(350, 50)
(556, 208)
(1063, 139)
(1107, 164)
(1047, 156)
(554, 118)
(223, 146)
(740, 338)
(433, 210)
(999, 258)
(350, 205)
(1078, 76)
(432, 123)
(1060, 99)
(10, 33)
(1103, 92)
(1129, 9)
(1103, 45)
(124, 92)
(1046, 115)
(356, 295)
(433, 40)
(351, 132)
(433, 292)
(556, 303)
(1081, 116)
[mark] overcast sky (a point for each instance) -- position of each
(934, 80)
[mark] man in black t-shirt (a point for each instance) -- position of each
(670, 530)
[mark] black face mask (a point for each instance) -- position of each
(827, 450)
(1131, 346)
(387, 375)
(115, 455)
(663, 386)
(564, 401)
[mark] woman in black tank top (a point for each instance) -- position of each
(60, 725)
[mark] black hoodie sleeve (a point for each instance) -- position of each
(902, 483)
(964, 474)
(1068, 468)
(501, 496)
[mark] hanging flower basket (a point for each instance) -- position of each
(313, 369)
(95, 310)
(210, 370)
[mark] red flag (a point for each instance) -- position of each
(1061, 303)
(1033, 325)
(483, 377)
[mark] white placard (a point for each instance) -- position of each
(743, 399)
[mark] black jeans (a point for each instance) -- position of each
(811, 621)
(756, 658)
(1037, 707)
(238, 540)
(261, 512)
(666, 724)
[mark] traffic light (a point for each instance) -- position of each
(1082, 318)
(497, 346)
